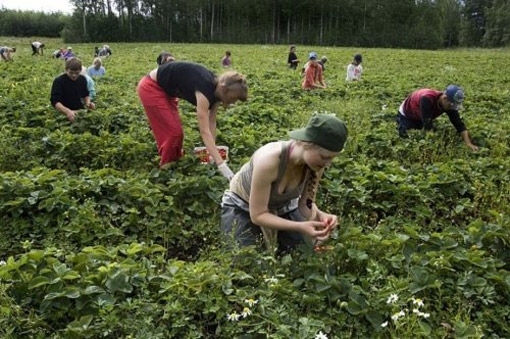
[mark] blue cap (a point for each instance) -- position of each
(455, 95)
(312, 55)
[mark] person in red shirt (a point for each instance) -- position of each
(422, 106)
(313, 74)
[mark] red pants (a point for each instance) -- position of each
(163, 114)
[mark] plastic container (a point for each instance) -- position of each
(203, 155)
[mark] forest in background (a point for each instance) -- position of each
(417, 24)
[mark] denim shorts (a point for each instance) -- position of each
(236, 224)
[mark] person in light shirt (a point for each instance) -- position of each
(97, 69)
(354, 69)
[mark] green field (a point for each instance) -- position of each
(97, 242)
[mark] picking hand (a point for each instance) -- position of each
(473, 147)
(315, 229)
(225, 171)
(71, 115)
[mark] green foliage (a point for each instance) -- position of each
(371, 23)
(98, 242)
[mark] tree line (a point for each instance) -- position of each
(421, 24)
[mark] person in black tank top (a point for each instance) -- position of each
(160, 90)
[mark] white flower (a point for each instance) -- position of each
(420, 313)
(271, 280)
(384, 324)
(393, 298)
(233, 316)
(418, 302)
(246, 312)
(251, 302)
(398, 315)
(2, 263)
(321, 335)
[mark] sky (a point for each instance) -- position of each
(38, 5)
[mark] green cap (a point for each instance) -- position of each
(324, 130)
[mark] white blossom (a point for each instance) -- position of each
(246, 312)
(418, 302)
(321, 335)
(393, 298)
(251, 302)
(233, 316)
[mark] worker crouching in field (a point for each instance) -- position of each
(159, 92)
(271, 200)
(422, 106)
(313, 74)
(69, 91)
(37, 48)
(6, 53)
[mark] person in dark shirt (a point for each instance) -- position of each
(164, 57)
(424, 105)
(69, 91)
(292, 60)
(159, 90)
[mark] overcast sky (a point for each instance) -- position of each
(38, 5)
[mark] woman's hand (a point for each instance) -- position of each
(314, 229)
(329, 220)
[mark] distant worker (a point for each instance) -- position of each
(97, 69)
(6, 53)
(226, 61)
(37, 48)
(322, 61)
(59, 53)
(68, 54)
(104, 51)
(164, 57)
(292, 60)
(354, 69)
(313, 74)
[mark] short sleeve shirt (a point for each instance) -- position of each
(183, 79)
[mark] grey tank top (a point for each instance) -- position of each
(241, 183)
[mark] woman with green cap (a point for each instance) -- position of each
(271, 199)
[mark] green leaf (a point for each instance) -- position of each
(93, 290)
(354, 308)
(38, 282)
(425, 328)
(81, 324)
(134, 249)
(71, 275)
(119, 281)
